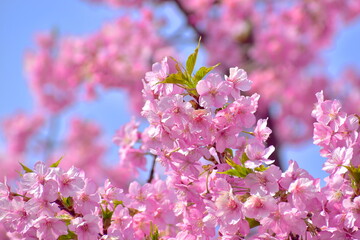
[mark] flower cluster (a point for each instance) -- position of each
(51, 203)
(60, 67)
(220, 178)
(278, 43)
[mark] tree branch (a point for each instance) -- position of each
(188, 19)
(152, 170)
(273, 140)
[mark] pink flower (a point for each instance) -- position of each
(328, 111)
(70, 182)
(121, 224)
(243, 110)
(322, 134)
(50, 228)
(229, 208)
(133, 157)
(160, 71)
(263, 183)
(175, 109)
(238, 81)
(127, 135)
(259, 207)
(87, 199)
(44, 204)
(283, 220)
(33, 182)
(258, 154)
(292, 173)
(87, 227)
(213, 91)
(225, 138)
(340, 157)
(303, 192)
(352, 212)
(187, 164)
(262, 132)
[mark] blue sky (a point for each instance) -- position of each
(20, 19)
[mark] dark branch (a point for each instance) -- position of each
(189, 22)
(273, 140)
(152, 170)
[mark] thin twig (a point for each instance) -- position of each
(273, 140)
(152, 170)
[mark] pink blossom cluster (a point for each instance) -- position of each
(61, 67)
(51, 203)
(279, 43)
(220, 180)
(18, 131)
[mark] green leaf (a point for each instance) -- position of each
(252, 222)
(354, 174)
(232, 172)
(244, 158)
(68, 202)
(25, 168)
(70, 235)
(230, 162)
(237, 170)
(106, 217)
(56, 164)
(175, 78)
(178, 65)
(191, 61)
(65, 218)
(229, 152)
(200, 74)
(154, 233)
(117, 203)
(261, 168)
(243, 171)
(133, 211)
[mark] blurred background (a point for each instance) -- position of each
(22, 21)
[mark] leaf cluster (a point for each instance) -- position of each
(184, 76)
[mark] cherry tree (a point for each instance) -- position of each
(216, 130)
(220, 181)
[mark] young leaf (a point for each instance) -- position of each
(106, 217)
(252, 222)
(56, 164)
(25, 168)
(232, 172)
(70, 235)
(68, 202)
(354, 174)
(65, 218)
(117, 203)
(191, 61)
(133, 211)
(178, 65)
(241, 171)
(175, 78)
(244, 158)
(261, 168)
(200, 74)
(154, 233)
